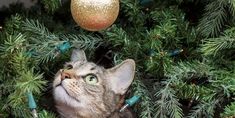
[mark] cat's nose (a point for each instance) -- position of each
(65, 75)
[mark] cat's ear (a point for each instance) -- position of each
(78, 55)
(121, 76)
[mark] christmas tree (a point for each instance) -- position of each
(183, 49)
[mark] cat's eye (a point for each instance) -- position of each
(91, 79)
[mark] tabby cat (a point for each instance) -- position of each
(85, 90)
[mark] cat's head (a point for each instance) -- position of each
(85, 85)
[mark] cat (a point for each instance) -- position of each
(86, 90)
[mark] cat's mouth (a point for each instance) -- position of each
(58, 85)
(61, 85)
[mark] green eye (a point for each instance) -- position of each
(91, 79)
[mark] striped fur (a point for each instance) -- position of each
(76, 99)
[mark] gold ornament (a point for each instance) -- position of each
(94, 15)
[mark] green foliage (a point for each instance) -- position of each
(13, 24)
(213, 46)
(185, 73)
(45, 114)
(23, 49)
(145, 105)
(202, 76)
(132, 12)
(44, 43)
(12, 43)
(217, 14)
(204, 109)
(52, 5)
(187, 70)
(167, 104)
(193, 92)
(30, 82)
(19, 76)
(229, 111)
(86, 42)
(168, 21)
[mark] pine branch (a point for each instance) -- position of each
(15, 100)
(145, 109)
(19, 78)
(183, 72)
(23, 81)
(133, 12)
(204, 109)
(13, 24)
(214, 19)
(20, 62)
(21, 112)
(193, 92)
(12, 44)
(223, 83)
(167, 23)
(10, 52)
(44, 44)
(85, 42)
(167, 104)
(16, 105)
(52, 5)
(30, 82)
(186, 70)
(212, 46)
(231, 6)
(38, 30)
(45, 114)
(229, 111)
(118, 38)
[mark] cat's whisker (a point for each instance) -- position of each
(86, 90)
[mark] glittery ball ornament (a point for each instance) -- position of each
(94, 15)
